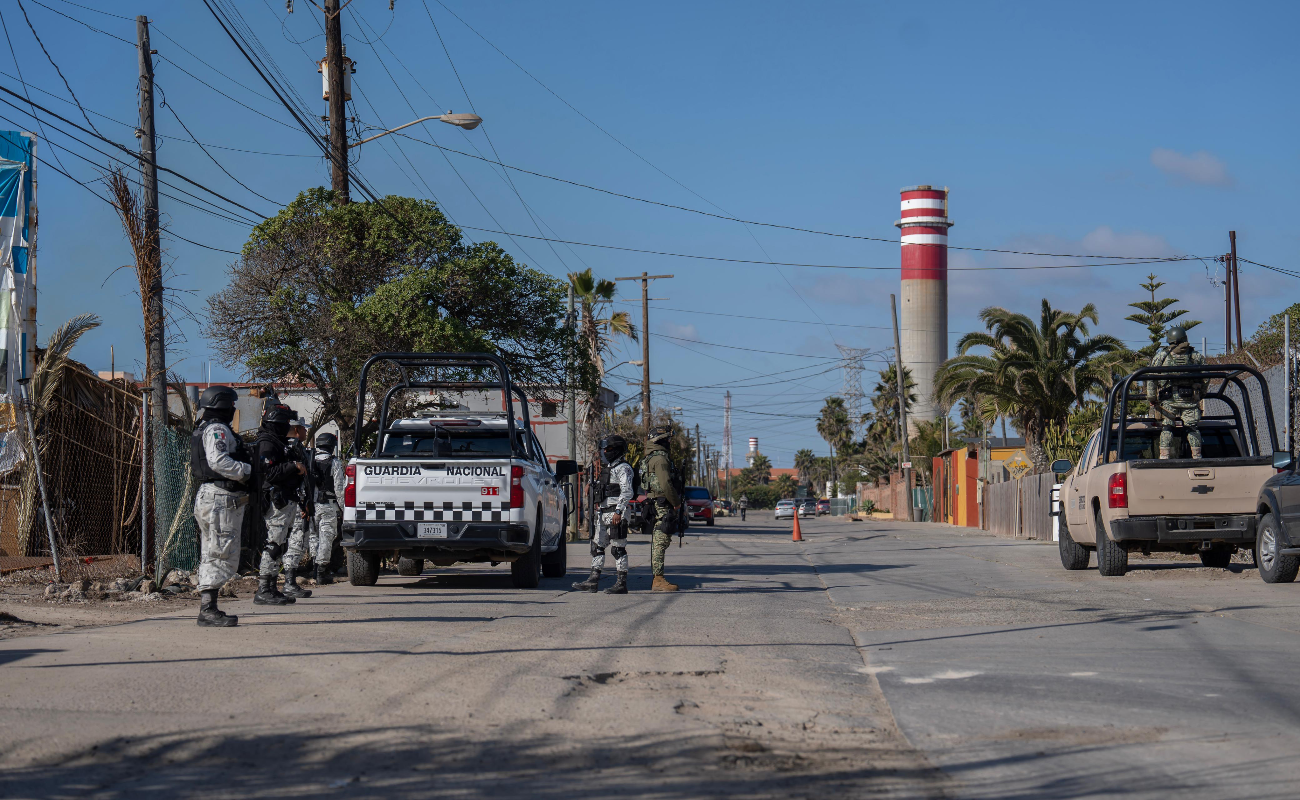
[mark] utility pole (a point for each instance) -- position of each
(726, 437)
(155, 350)
(1227, 303)
(1236, 285)
(699, 455)
(572, 324)
(902, 409)
(645, 345)
(335, 64)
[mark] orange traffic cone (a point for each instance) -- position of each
(798, 537)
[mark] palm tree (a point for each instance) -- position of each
(595, 336)
(1034, 374)
(884, 401)
(834, 426)
(806, 462)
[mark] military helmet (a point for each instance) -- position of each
(661, 433)
(1176, 335)
(276, 412)
(614, 447)
(327, 441)
(220, 398)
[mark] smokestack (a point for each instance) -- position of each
(924, 311)
(753, 449)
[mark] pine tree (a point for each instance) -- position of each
(1155, 316)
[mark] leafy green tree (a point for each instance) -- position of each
(1156, 315)
(320, 287)
(785, 486)
(1266, 343)
(924, 445)
(1034, 373)
(805, 461)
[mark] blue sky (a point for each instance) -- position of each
(1108, 128)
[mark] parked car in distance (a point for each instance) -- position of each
(699, 504)
(785, 509)
(823, 507)
(807, 507)
(722, 508)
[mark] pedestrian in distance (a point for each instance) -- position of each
(664, 499)
(328, 481)
(1177, 398)
(744, 504)
(304, 505)
(614, 491)
(278, 479)
(221, 465)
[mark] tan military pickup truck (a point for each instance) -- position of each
(1122, 498)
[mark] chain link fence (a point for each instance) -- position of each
(177, 533)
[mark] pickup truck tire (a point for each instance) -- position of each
(1112, 558)
(410, 567)
(526, 572)
(363, 568)
(1216, 558)
(1074, 556)
(1273, 566)
(555, 564)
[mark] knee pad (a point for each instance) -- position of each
(274, 550)
(618, 552)
(596, 550)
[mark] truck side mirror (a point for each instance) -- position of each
(1062, 466)
(1281, 460)
(565, 467)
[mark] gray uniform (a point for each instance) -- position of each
(279, 522)
(321, 542)
(219, 510)
(607, 532)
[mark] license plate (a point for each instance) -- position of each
(431, 530)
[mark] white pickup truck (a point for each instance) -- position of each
(447, 486)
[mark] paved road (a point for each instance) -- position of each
(875, 659)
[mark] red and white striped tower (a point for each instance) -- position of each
(924, 315)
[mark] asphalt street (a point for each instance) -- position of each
(873, 659)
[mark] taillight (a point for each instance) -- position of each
(1117, 490)
(516, 487)
(350, 491)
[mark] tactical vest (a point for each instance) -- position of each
(322, 478)
(1183, 388)
(652, 488)
(203, 473)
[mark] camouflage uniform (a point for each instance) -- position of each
(1179, 397)
(660, 491)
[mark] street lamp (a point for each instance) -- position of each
(464, 121)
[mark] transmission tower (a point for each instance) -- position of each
(853, 357)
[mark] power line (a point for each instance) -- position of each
(1166, 260)
(50, 59)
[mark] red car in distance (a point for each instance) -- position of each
(699, 504)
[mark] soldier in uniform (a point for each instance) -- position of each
(613, 493)
(278, 479)
(220, 463)
(328, 480)
(658, 479)
(304, 508)
(1179, 397)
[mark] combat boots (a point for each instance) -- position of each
(323, 577)
(1196, 452)
(661, 584)
(291, 587)
(620, 585)
(1164, 454)
(212, 617)
(591, 584)
(268, 595)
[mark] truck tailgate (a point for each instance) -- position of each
(1163, 488)
(452, 490)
